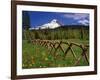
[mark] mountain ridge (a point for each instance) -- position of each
(54, 24)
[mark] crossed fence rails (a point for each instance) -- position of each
(55, 45)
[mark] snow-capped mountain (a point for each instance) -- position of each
(52, 25)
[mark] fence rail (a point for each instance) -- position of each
(54, 45)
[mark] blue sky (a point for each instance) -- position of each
(38, 18)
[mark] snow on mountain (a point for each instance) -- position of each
(52, 25)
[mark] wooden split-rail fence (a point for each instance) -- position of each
(55, 45)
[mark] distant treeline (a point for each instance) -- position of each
(63, 32)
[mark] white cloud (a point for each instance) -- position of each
(80, 18)
(84, 22)
(76, 16)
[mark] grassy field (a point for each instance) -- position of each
(37, 56)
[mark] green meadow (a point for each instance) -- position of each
(37, 56)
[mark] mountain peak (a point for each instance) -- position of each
(54, 20)
(51, 25)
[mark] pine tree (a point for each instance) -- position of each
(25, 20)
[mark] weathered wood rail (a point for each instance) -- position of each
(55, 45)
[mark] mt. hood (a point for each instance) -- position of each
(52, 25)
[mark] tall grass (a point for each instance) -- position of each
(36, 56)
